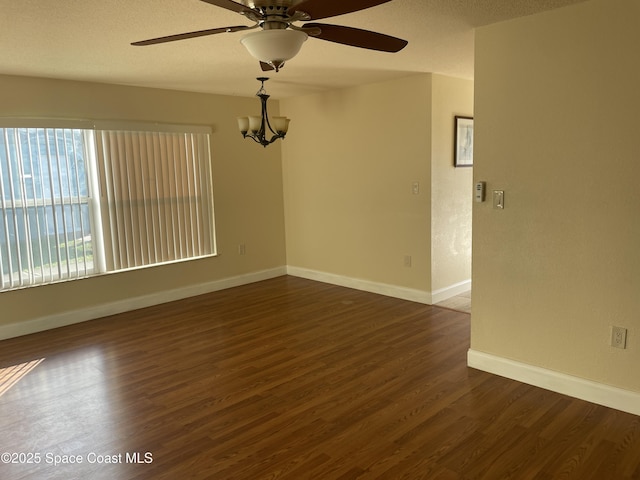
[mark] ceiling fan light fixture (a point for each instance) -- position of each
(274, 47)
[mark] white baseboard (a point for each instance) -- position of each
(395, 291)
(601, 394)
(76, 316)
(443, 294)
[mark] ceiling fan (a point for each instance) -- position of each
(279, 40)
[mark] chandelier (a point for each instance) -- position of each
(255, 127)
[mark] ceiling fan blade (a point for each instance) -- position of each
(318, 9)
(266, 67)
(357, 37)
(183, 36)
(230, 5)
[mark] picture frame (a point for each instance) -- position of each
(463, 142)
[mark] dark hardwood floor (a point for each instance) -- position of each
(290, 379)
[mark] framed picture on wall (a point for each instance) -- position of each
(463, 142)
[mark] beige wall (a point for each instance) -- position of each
(247, 190)
(557, 100)
(349, 163)
(451, 188)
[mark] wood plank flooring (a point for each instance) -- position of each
(461, 302)
(291, 379)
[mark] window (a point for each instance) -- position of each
(76, 202)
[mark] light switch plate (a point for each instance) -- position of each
(498, 199)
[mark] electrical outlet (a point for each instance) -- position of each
(619, 337)
(242, 249)
(407, 260)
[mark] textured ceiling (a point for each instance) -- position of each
(90, 40)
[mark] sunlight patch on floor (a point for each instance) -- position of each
(9, 376)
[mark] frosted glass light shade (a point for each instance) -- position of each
(243, 124)
(255, 123)
(274, 46)
(281, 124)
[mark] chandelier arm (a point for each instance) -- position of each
(265, 121)
(262, 140)
(265, 116)
(276, 137)
(252, 137)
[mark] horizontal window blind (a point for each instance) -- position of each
(156, 196)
